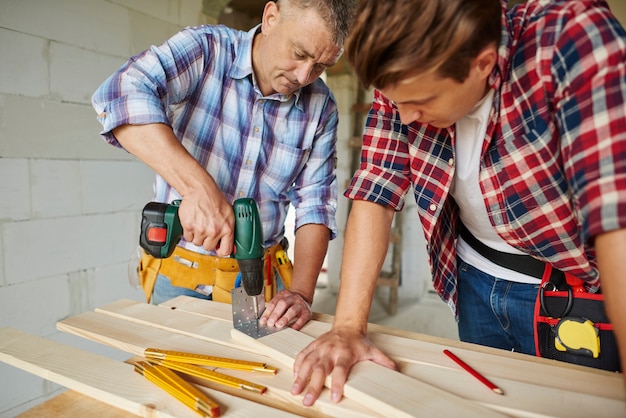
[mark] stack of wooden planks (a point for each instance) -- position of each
(429, 384)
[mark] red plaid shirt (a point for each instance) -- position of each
(553, 168)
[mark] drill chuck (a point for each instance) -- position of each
(252, 275)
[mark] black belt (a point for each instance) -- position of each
(520, 263)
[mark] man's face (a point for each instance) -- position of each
(440, 102)
(292, 52)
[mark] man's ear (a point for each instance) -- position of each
(270, 16)
(486, 60)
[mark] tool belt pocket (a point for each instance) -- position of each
(572, 326)
(224, 280)
(147, 272)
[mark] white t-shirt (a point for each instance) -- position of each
(470, 135)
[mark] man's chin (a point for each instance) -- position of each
(441, 124)
(287, 89)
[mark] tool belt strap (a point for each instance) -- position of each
(190, 269)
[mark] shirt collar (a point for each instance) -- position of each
(242, 67)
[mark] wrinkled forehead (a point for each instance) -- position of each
(310, 34)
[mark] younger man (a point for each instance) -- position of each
(509, 124)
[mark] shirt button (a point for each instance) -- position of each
(248, 162)
(240, 193)
(451, 162)
(256, 129)
(432, 207)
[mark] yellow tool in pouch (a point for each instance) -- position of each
(578, 336)
(284, 267)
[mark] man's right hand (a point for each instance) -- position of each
(333, 354)
(208, 222)
(206, 216)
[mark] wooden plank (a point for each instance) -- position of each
(107, 380)
(383, 389)
(134, 338)
(71, 404)
(428, 364)
(203, 327)
(174, 320)
(537, 387)
(411, 347)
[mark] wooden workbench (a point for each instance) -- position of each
(429, 383)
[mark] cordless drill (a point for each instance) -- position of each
(161, 231)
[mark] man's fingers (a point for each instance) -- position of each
(284, 309)
(385, 361)
(338, 376)
(224, 245)
(316, 384)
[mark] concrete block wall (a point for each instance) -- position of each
(70, 207)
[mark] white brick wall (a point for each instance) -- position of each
(70, 207)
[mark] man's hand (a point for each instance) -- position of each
(205, 215)
(286, 307)
(293, 306)
(208, 222)
(333, 354)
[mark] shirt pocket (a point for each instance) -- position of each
(282, 168)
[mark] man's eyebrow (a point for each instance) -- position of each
(417, 102)
(308, 54)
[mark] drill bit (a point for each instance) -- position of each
(255, 304)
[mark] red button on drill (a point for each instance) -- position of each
(157, 234)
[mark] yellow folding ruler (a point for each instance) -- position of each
(159, 366)
(178, 388)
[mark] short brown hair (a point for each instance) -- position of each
(338, 14)
(391, 40)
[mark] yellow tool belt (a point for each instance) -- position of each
(189, 269)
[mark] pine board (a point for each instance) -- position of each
(533, 386)
(71, 404)
(371, 384)
(411, 347)
(134, 337)
(107, 380)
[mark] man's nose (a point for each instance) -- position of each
(304, 72)
(409, 115)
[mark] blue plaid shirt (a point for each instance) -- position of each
(276, 149)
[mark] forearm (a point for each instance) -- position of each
(157, 146)
(610, 250)
(311, 245)
(207, 218)
(365, 248)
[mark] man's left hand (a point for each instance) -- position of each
(286, 308)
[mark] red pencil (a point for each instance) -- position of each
(473, 372)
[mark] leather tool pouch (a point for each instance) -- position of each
(225, 277)
(147, 272)
(189, 269)
(571, 326)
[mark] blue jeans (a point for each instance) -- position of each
(495, 312)
(164, 290)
